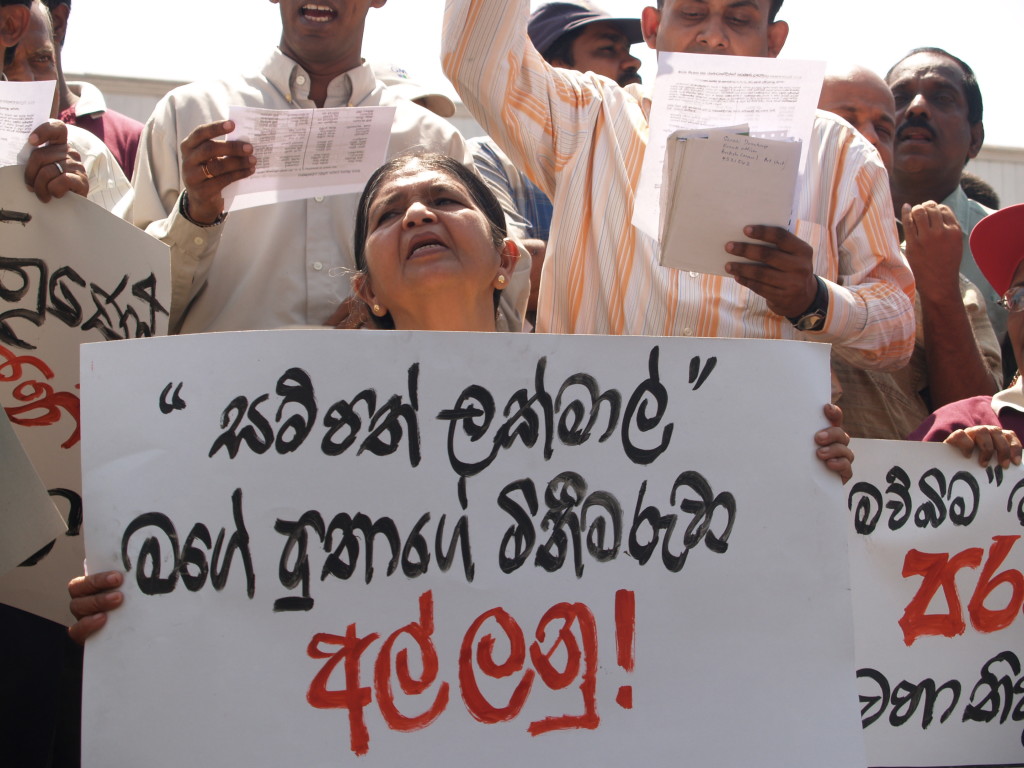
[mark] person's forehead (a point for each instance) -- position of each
(928, 67)
(859, 96)
(605, 30)
(764, 6)
(415, 177)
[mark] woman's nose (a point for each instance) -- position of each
(417, 213)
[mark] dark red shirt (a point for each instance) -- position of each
(971, 412)
(119, 132)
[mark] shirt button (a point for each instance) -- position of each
(301, 80)
(198, 241)
(319, 198)
(687, 331)
(318, 265)
(693, 274)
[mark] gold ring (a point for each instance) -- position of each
(206, 170)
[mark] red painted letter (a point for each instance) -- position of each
(938, 570)
(568, 614)
(353, 697)
(984, 619)
(478, 706)
(420, 632)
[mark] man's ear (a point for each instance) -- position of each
(13, 23)
(650, 20)
(778, 31)
(977, 139)
(59, 14)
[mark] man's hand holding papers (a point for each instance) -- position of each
(782, 270)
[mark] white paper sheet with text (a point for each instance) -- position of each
(23, 106)
(304, 153)
(776, 97)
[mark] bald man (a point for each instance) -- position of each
(956, 354)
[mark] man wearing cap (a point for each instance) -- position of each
(997, 243)
(579, 36)
(838, 278)
(283, 264)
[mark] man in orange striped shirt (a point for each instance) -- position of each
(838, 278)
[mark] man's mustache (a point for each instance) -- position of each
(629, 76)
(918, 122)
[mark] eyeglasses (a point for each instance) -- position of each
(1013, 299)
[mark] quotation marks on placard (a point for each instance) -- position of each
(995, 475)
(697, 375)
(175, 403)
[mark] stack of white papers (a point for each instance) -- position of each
(715, 183)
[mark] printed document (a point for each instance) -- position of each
(304, 153)
(776, 97)
(23, 108)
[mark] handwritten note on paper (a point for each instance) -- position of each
(776, 97)
(717, 184)
(302, 153)
(468, 553)
(23, 107)
(937, 570)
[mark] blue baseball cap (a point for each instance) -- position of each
(551, 21)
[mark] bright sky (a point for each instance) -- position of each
(193, 39)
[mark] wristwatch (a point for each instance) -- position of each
(813, 318)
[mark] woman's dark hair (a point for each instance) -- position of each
(479, 193)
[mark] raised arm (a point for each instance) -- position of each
(955, 343)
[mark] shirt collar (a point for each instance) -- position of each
(957, 202)
(349, 89)
(90, 100)
(1012, 397)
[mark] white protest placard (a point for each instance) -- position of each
(23, 108)
(459, 549)
(71, 273)
(28, 519)
(937, 565)
(776, 97)
(302, 153)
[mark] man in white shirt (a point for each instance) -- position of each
(283, 264)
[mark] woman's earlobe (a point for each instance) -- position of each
(362, 290)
